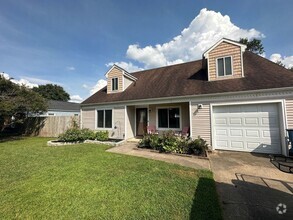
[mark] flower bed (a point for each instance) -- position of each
(75, 136)
(170, 143)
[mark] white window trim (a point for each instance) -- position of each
(224, 66)
(165, 129)
(96, 118)
(112, 79)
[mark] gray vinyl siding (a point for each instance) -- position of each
(289, 112)
(88, 118)
(127, 82)
(201, 122)
(130, 121)
(118, 130)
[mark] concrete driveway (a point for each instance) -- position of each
(250, 187)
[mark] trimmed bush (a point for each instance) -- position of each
(71, 135)
(77, 135)
(88, 134)
(169, 142)
(102, 135)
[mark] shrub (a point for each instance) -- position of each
(87, 134)
(75, 134)
(102, 135)
(198, 146)
(72, 134)
(169, 142)
(145, 141)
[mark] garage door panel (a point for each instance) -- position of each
(235, 121)
(221, 132)
(271, 121)
(237, 145)
(236, 133)
(249, 128)
(272, 133)
(223, 144)
(221, 121)
(251, 121)
(252, 133)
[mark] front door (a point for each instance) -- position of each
(141, 121)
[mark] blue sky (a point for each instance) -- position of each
(73, 43)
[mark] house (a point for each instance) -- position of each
(234, 99)
(61, 108)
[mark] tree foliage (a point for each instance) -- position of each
(52, 92)
(254, 45)
(18, 102)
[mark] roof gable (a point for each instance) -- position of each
(242, 46)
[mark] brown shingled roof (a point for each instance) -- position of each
(190, 79)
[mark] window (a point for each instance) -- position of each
(168, 118)
(224, 66)
(104, 118)
(114, 84)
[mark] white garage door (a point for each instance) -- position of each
(250, 128)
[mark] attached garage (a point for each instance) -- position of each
(249, 128)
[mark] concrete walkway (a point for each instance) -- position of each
(250, 186)
(130, 149)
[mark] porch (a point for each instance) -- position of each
(164, 117)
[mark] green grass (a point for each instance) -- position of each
(85, 182)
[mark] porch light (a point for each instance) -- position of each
(200, 106)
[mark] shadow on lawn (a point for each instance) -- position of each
(205, 201)
(247, 197)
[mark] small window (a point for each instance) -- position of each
(224, 66)
(169, 118)
(114, 84)
(104, 118)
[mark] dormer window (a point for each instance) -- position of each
(224, 66)
(114, 84)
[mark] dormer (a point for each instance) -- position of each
(225, 60)
(118, 79)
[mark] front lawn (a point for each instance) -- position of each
(85, 182)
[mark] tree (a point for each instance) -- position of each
(279, 62)
(255, 45)
(52, 92)
(17, 102)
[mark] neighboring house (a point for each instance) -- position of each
(234, 99)
(61, 108)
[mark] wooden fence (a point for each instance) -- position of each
(51, 126)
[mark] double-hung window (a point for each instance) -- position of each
(104, 118)
(168, 118)
(114, 84)
(224, 66)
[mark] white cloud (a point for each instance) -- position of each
(24, 82)
(99, 85)
(127, 66)
(20, 82)
(5, 75)
(75, 98)
(287, 61)
(39, 81)
(70, 68)
(84, 86)
(205, 29)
